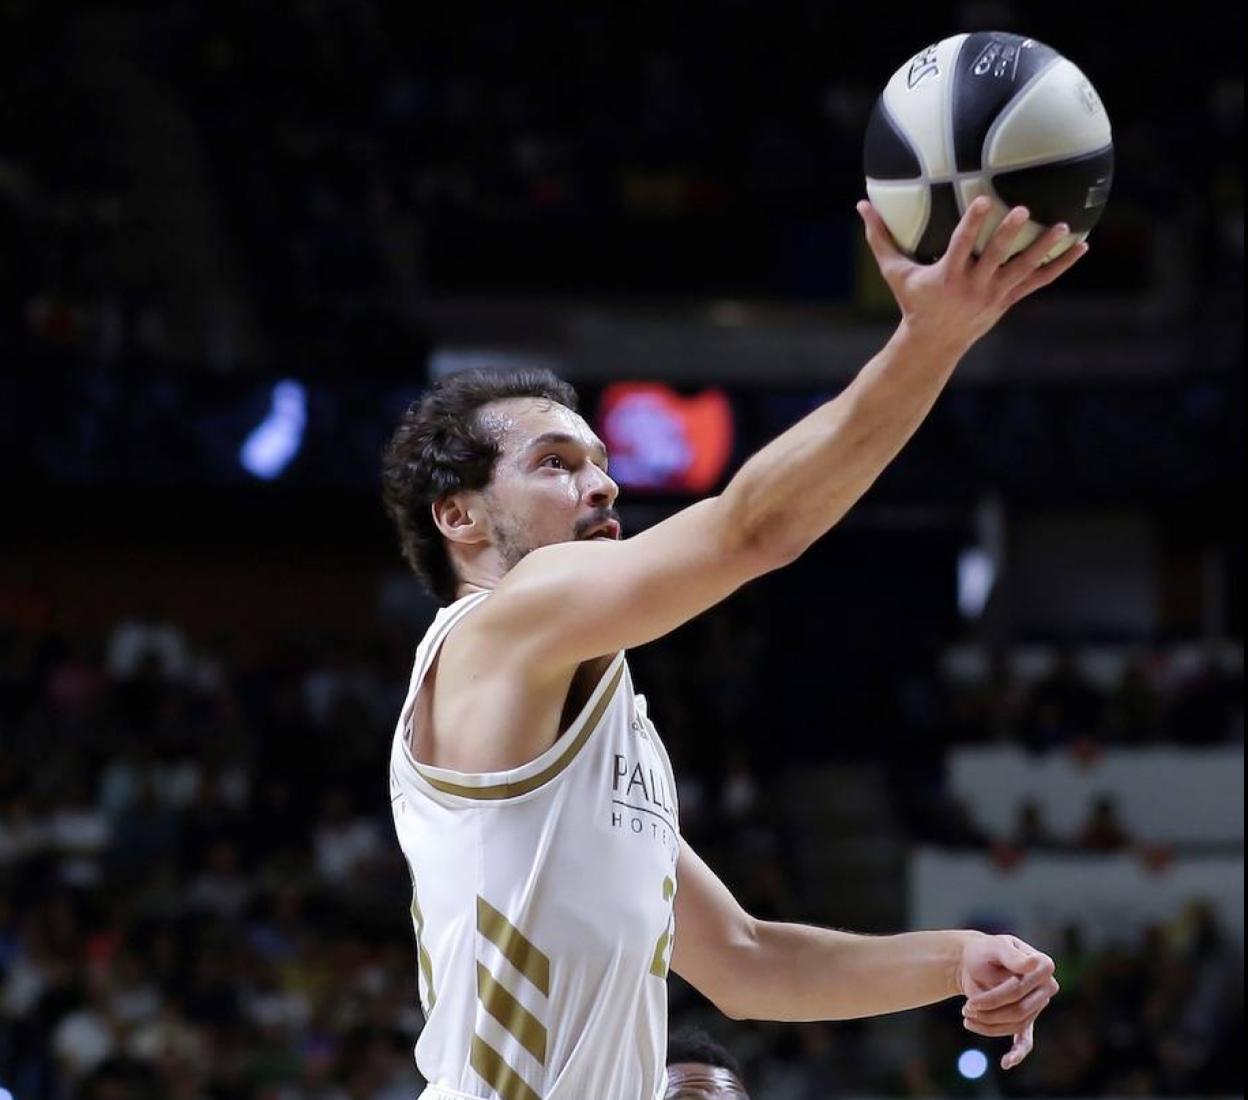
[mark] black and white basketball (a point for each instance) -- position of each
(991, 114)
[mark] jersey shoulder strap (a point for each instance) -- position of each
(431, 643)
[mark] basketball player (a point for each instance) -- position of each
(698, 1068)
(532, 796)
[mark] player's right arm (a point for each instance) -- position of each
(769, 970)
(571, 602)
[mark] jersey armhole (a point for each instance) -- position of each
(542, 769)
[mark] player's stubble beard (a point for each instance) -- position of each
(513, 543)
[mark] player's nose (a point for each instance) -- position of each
(600, 491)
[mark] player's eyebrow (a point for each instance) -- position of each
(557, 438)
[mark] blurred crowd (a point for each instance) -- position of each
(201, 897)
(1162, 696)
(297, 177)
(1156, 699)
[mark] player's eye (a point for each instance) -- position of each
(559, 464)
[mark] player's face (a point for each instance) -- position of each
(550, 482)
(696, 1081)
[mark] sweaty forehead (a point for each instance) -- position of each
(520, 420)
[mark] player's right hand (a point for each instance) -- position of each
(958, 299)
(1007, 984)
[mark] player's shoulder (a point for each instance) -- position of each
(491, 639)
(520, 616)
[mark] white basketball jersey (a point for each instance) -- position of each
(542, 902)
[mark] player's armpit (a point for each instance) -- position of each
(573, 601)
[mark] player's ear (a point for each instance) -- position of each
(461, 518)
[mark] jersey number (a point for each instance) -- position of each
(663, 949)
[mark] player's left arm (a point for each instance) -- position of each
(766, 970)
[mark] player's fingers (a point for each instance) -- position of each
(1012, 989)
(1021, 958)
(962, 243)
(999, 244)
(990, 1031)
(1019, 267)
(1023, 1042)
(887, 255)
(1051, 271)
(997, 1030)
(1017, 1012)
(1030, 971)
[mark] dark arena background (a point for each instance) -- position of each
(236, 239)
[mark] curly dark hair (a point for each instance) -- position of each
(440, 447)
(693, 1044)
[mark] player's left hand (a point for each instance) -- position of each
(1007, 984)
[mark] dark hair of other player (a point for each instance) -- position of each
(699, 1068)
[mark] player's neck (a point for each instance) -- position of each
(478, 571)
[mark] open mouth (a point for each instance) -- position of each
(604, 532)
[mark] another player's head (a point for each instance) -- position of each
(488, 466)
(698, 1068)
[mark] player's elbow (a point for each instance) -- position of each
(738, 1005)
(734, 987)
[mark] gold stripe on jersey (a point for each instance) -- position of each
(509, 1012)
(516, 949)
(426, 963)
(496, 1073)
(524, 786)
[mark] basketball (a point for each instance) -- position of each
(989, 113)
